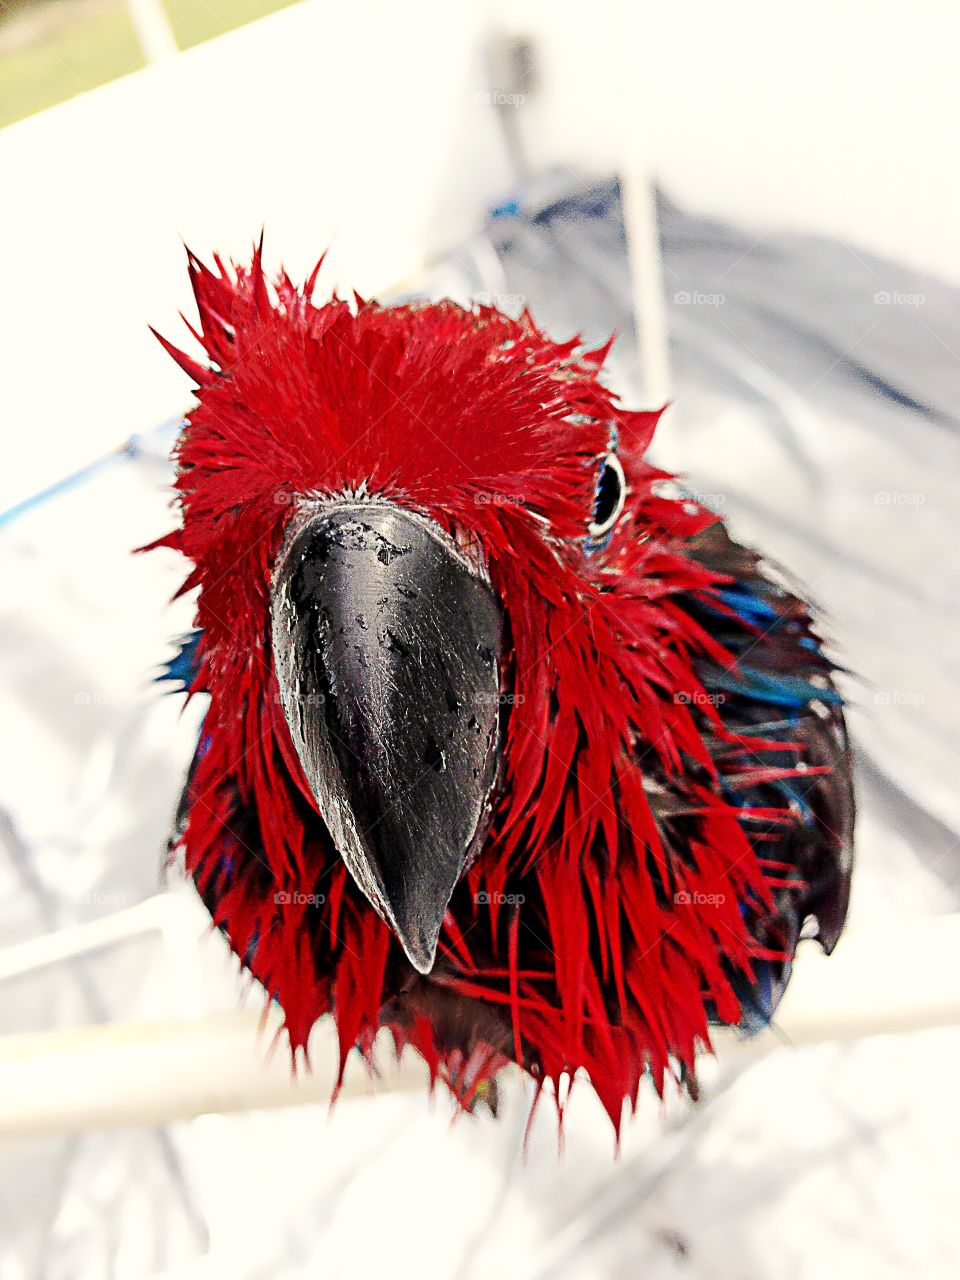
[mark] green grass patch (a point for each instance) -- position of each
(194, 21)
(51, 51)
(65, 59)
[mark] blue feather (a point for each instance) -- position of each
(183, 667)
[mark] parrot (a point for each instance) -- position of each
(508, 747)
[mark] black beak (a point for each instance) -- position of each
(386, 643)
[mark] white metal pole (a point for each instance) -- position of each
(104, 1076)
(646, 281)
(161, 913)
(154, 32)
(640, 211)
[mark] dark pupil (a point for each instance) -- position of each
(608, 495)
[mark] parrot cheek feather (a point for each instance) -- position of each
(647, 790)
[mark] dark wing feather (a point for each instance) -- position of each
(782, 690)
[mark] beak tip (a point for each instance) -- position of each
(419, 949)
(423, 964)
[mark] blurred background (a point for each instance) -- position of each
(762, 203)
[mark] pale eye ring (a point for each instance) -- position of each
(611, 496)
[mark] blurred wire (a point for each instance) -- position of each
(133, 447)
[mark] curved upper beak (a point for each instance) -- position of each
(387, 644)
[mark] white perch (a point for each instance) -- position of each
(153, 1073)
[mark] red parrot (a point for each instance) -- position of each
(509, 749)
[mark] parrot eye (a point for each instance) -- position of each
(611, 495)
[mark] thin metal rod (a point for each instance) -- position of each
(646, 283)
(153, 29)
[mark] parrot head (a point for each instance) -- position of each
(459, 771)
